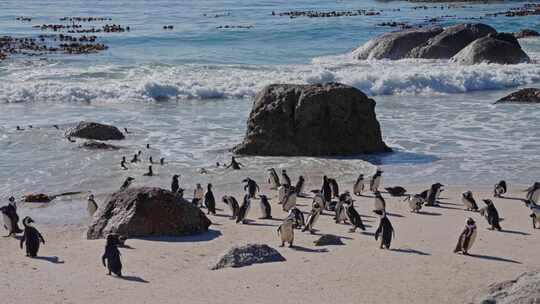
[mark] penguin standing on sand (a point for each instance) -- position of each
(354, 217)
(150, 172)
(299, 187)
(198, 195)
(244, 210)
(273, 179)
(251, 187)
(266, 209)
(313, 217)
(380, 203)
(282, 192)
(396, 191)
(468, 201)
(359, 185)
(91, 205)
(376, 180)
(385, 230)
(112, 256)
(209, 200)
(326, 191)
(432, 194)
(123, 163)
(533, 193)
(289, 201)
(129, 180)
(535, 215)
(415, 202)
(318, 199)
(175, 184)
(11, 219)
(233, 205)
(499, 189)
(298, 217)
(491, 214)
(335, 187)
(31, 238)
(467, 237)
(285, 178)
(340, 208)
(286, 232)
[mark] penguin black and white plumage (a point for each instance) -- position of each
(415, 202)
(209, 200)
(491, 214)
(396, 191)
(379, 202)
(433, 193)
(233, 205)
(376, 180)
(341, 208)
(266, 209)
(11, 219)
(335, 187)
(535, 213)
(318, 199)
(91, 205)
(286, 232)
(162, 161)
(123, 163)
(244, 210)
(313, 217)
(467, 237)
(31, 238)
(198, 195)
(289, 201)
(298, 217)
(135, 158)
(533, 193)
(251, 187)
(150, 172)
(359, 185)
(299, 187)
(354, 217)
(499, 189)
(175, 183)
(385, 230)
(326, 191)
(285, 178)
(282, 192)
(273, 179)
(468, 201)
(112, 256)
(127, 183)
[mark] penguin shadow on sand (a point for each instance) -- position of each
(443, 205)
(428, 213)
(514, 232)
(409, 251)
(51, 259)
(254, 223)
(394, 214)
(308, 250)
(210, 235)
(493, 258)
(136, 279)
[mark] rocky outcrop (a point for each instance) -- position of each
(140, 212)
(524, 289)
(501, 48)
(96, 131)
(96, 145)
(524, 33)
(240, 256)
(312, 120)
(528, 95)
(450, 41)
(328, 239)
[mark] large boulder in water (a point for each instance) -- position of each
(525, 33)
(450, 41)
(501, 48)
(140, 212)
(245, 255)
(523, 289)
(312, 120)
(395, 45)
(528, 95)
(96, 131)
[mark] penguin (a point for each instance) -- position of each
(251, 187)
(266, 209)
(289, 201)
(126, 131)
(147, 146)
(112, 256)
(326, 191)
(139, 153)
(127, 183)
(380, 203)
(162, 161)
(209, 200)
(91, 206)
(198, 195)
(415, 202)
(244, 210)
(385, 230)
(175, 184)
(376, 180)
(273, 179)
(123, 163)
(233, 205)
(150, 172)
(359, 185)
(282, 192)
(468, 201)
(299, 187)
(286, 232)
(31, 238)
(135, 158)
(491, 214)
(11, 219)
(341, 212)
(234, 164)
(56, 127)
(285, 178)
(298, 217)
(432, 195)
(334, 186)
(313, 217)
(319, 200)
(19, 128)
(535, 215)
(499, 189)
(533, 193)
(354, 217)
(396, 191)
(151, 160)
(467, 237)
(71, 140)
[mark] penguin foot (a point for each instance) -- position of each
(290, 245)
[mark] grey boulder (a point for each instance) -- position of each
(245, 255)
(528, 95)
(96, 131)
(501, 48)
(525, 289)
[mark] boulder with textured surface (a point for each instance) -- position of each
(96, 131)
(528, 95)
(312, 120)
(146, 211)
(245, 255)
(525, 289)
(328, 239)
(524, 33)
(502, 48)
(96, 145)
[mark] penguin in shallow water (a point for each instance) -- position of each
(376, 180)
(112, 256)
(285, 178)
(299, 187)
(468, 201)
(209, 200)
(244, 210)
(396, 191)
(175, 183)
(467, 237)
(135, 158)
(162, 161)
(313, 217)
(385, 230)
(233, 205)
(286, 232)
(123, 163)
(273, 179)
(31, 238)
(432, 194)
(11, 219)
(359, 185)
(533, 193)
(92, 206)
(354, 217)
(334, 186)
(150, 172)
(499, 189)
(380, 203)
(298, 217)
(251, 187)
(289, 201)
(126, 131)
(266, 209)
(151, 160)
(491, 214)
(415, 202)
(129, 180)
(235, 165)
(198, 195)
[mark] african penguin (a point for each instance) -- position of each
(335, 187)
(535, 215)
(127, 183)
(233, 205)
(300, 186)
(289, 201)
(380, 203)
(467, 237)
(31, 238)
(244, 210)
(491, 214)
(415, 202)
(251, 187)
(11, 219)
(150, 172)
(286, 232)
(533, 193)
(198, 195)
(376, 180)
(112, 256)
(354, 218)
(313, 217)
(385, 230)
(91, 205)
(359, 185)
(468, 201)
(273, 179)
(285, 178)
(209, 200)
(319, 200)
(175, 183)
(326, 191)
(433, 194)
(298, 217)
(135, 158)
(499, 189)
(123, 163)
(282, 192)
(266, 209)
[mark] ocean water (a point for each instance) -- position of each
(188, 92)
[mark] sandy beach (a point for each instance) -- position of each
(420, 268)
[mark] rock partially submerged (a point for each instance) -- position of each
(141, 212)
(524, 289)
(328, 239)
(37, 198)
(96, 145)
(240, 256)
(312, 120)
(96, 131)
(528, 95)
(501, 48)
(524, 33)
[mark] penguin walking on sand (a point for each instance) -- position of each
(341, 208)
(468, 201)
(209, 200)
(380, 203)
(326, 191)
(91, 206)
(233, 205)
(298, 218)
(354, 217)
(359, 185)
(499, 189)
(273, 179)
(335, 187)
(150, 172)
(175, 183)
(286, 232)
(129, 180)
(432, 194)
(535, 213)
(299, 187)
(11, 219)
(396, 191)
(491, 214)
(123, 163)
(313, 217)
(533, 193)
(112, 256)
(289, 201)
(467, 237)
(376, 180)
(31, 238)
(285, 178)
(415, 202)
(251, 187)
(198, 195)
(266, 209)
(244, 210)
(385, 230)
